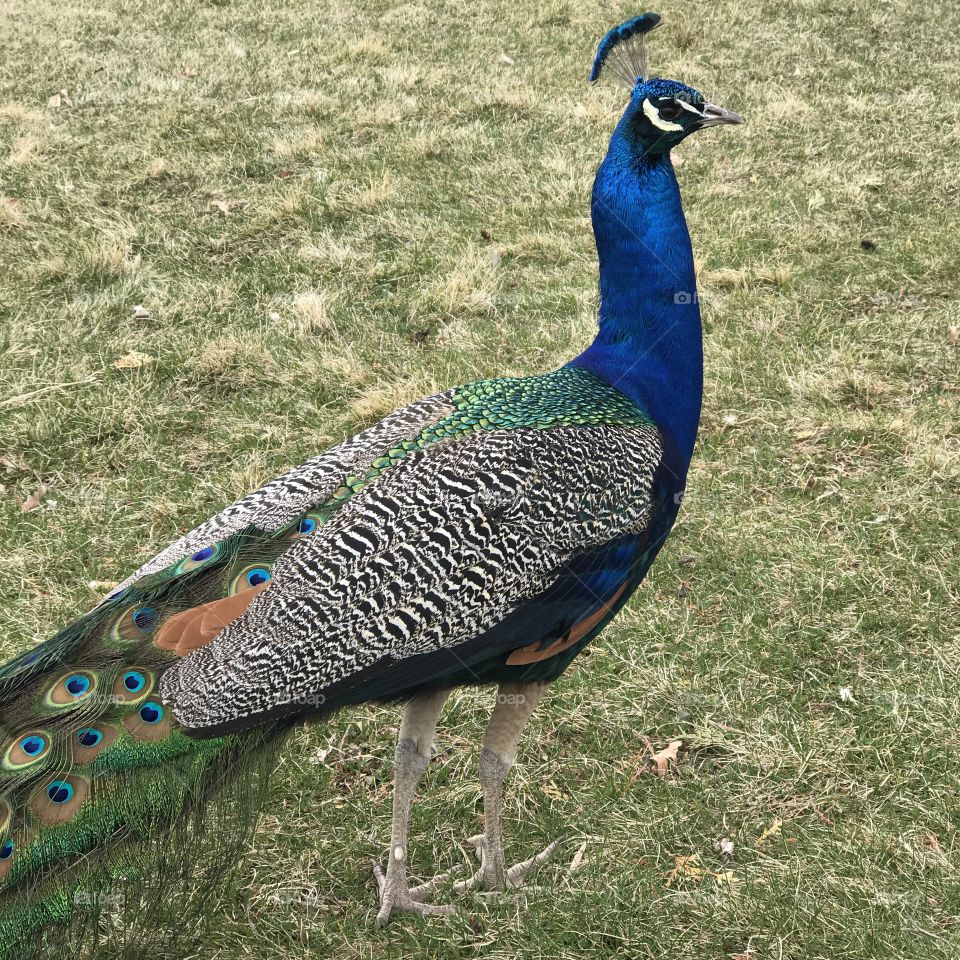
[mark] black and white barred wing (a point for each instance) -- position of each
(282, 500)
(437, 551)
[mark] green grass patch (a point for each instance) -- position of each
(328, 209)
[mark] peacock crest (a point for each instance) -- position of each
(623, 51)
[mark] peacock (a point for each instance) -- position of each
(481, 536)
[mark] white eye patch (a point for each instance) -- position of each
(653, 115)
(690, 107)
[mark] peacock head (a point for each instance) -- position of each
(661, 112)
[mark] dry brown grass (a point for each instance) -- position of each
(325, 220)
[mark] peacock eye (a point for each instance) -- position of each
(670, 109)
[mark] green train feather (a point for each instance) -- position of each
(104, 803)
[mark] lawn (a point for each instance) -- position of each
(325, 209)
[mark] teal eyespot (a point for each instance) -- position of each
(6, 851)
(70, 689)
(256, 575)
(78, 684)
(89, 737)
(90, 742)
(134, 623)
(26, 750)
(145, 618)
(304, 527)
(198, 559)
(60, 791)
(134, 681)
(151, 712)
(32, 745)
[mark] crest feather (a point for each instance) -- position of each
(624, 51)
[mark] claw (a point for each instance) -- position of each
(424, 890)
(396, 898)
(514, 876)
(518, 871)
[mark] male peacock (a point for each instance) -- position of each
(483, 535)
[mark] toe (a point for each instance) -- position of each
(424, 891)
(379, 876)
(517, 873)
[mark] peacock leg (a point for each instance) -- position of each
(412, 757)
(515, 703)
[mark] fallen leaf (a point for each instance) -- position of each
(101, 586)
(133, 361)
(953, 335)
(932, 843)
(726, 878)
(11, 213)
(663, 759)
(506, 61)
(189, 72)
(140, 312)
(219, 206)
(553, 791)
(772, 831)
(13, 463)
(60, 99)
(34, 500)
(686, 868)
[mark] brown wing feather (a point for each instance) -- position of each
(193, 628)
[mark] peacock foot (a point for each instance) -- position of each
(397, 897)
(495, 877)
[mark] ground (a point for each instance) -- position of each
(327, 208)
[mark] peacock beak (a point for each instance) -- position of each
(714, 115)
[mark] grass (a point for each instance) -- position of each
(330, 208)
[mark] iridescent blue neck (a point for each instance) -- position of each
(649, 345)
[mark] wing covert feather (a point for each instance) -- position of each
(433, 553)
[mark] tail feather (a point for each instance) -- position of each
(108, 811)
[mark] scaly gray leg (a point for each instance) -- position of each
(412, 756)
(515, 703)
